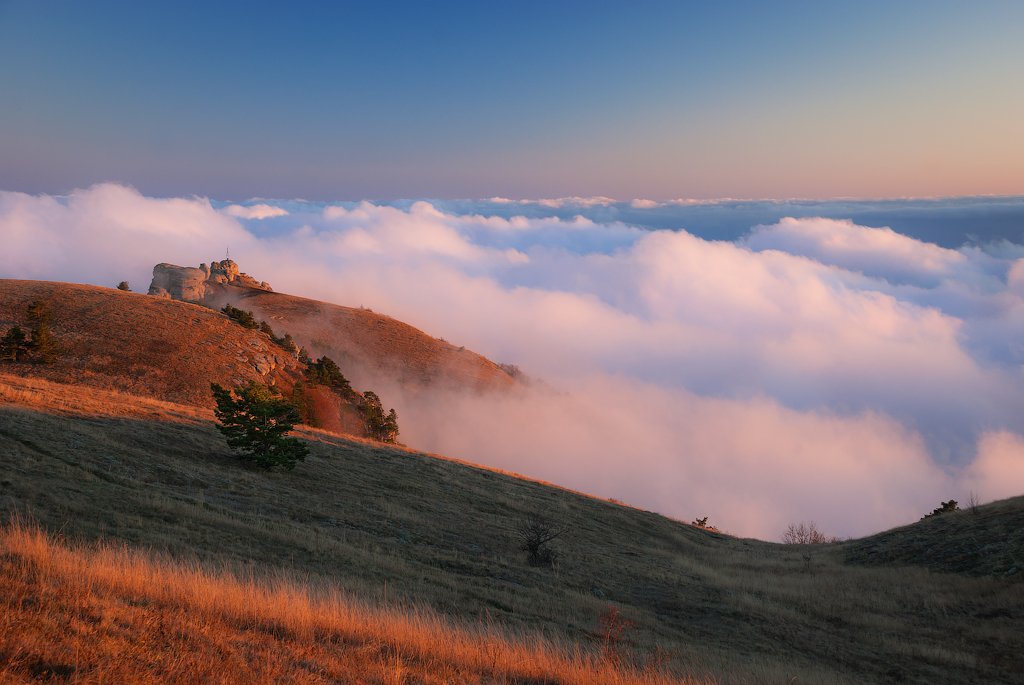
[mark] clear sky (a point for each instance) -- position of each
(517, 99)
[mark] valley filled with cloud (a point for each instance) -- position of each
(806, 367)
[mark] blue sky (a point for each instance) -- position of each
(447, 100)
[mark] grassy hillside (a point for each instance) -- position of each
(373, 349)
(106, 614)
(979, 541)
(144, 345)
(401, 529)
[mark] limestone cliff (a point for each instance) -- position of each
(191, 284)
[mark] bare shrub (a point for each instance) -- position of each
(511, 370)
(612, 627)
(806, 534)
(536, 534)
(700, 523)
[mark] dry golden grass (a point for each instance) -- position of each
(107, 614)
(374, 350)
(144, 345)
(416, 533)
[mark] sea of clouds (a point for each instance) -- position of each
(800, 368)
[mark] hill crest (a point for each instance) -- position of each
(374, 350)
(145, 345)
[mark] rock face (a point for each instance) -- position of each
(178, 282)
(190, 284)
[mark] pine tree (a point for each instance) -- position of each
(303, 402)
(39, 312)
(378, 425)
(256, 422)
(14, 346)
(240, 316)
(325, 372)
(288, 343)
(43, 343)
(391, 426)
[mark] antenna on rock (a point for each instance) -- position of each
(227, 252)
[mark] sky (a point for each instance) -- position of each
(385, 100)
(807, 368)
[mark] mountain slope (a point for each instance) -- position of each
(395, 526)
(979, 541)
(374, 350)
(145, 345)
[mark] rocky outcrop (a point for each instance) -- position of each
(178, 282)
(191, 284)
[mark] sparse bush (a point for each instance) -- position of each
(14, 346)
(41, 347)
(256, 422)
(43, 342)
(512, 370)
(39, 312)
(240, 316)
(535, 535)
(701, 523)
(123, 285)
(612, 627)
(806, 534)
(944, 508)
(379, 426)
(288, 343)
(304, 404)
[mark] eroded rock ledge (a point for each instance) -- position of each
(191, 284)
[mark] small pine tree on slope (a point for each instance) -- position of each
(256, 422)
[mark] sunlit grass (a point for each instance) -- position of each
(109, 614)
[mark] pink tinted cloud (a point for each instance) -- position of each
(879, 252)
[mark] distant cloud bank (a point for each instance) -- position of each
(257, 211)
(807, 367)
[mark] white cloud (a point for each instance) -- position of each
(879, 252)
(575, 201)
(641, 203)
(260, 211)
(793, 375)
(998, 470)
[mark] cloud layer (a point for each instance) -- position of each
(811, 369)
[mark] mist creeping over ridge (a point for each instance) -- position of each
(851, 362)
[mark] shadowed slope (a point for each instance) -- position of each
(985, 540)
(395, 526)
